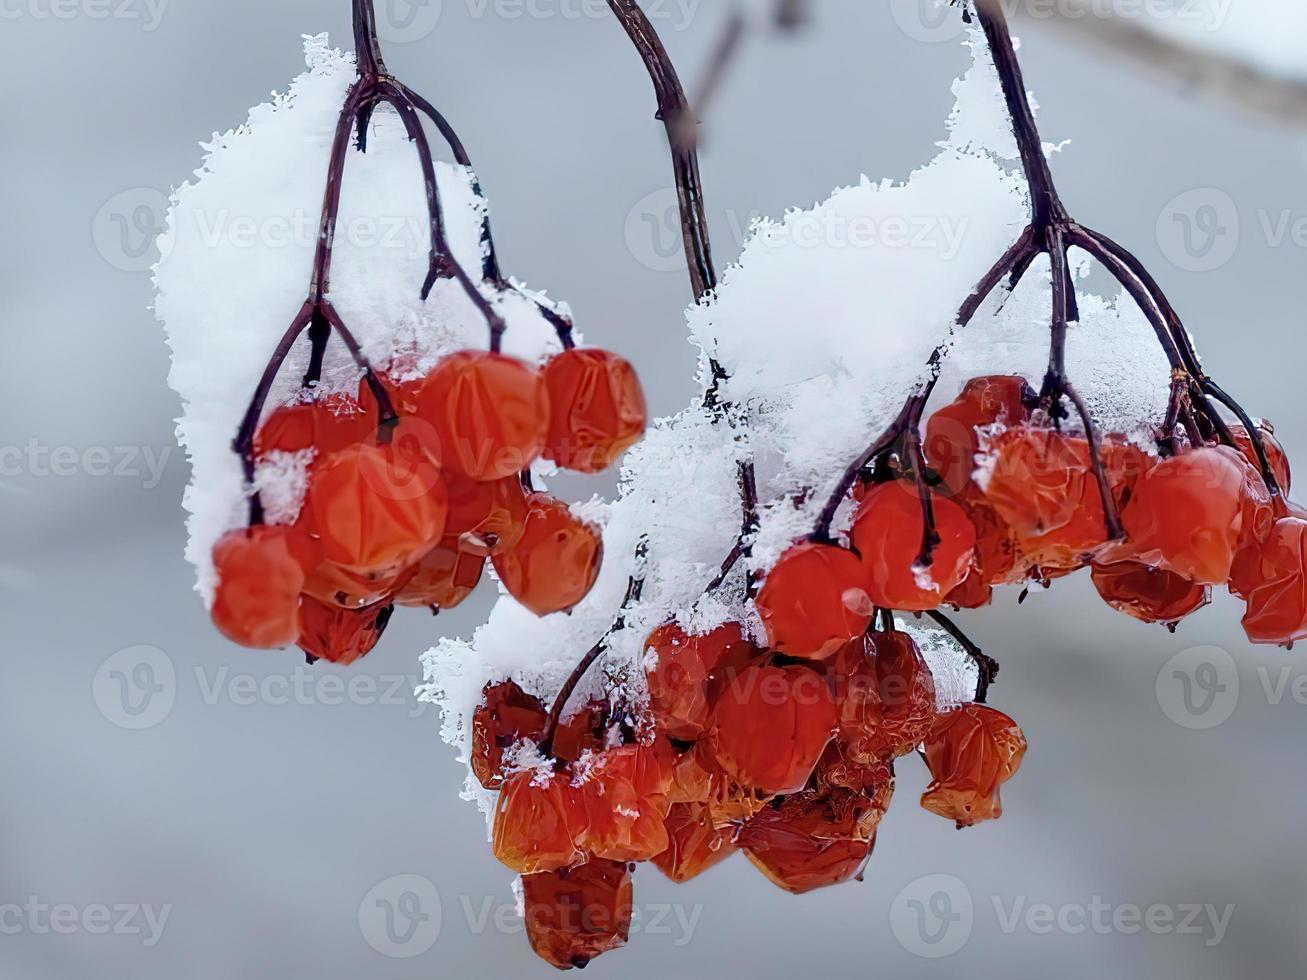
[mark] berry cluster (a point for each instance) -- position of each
(1012, 498)
(788, 759)
(406, 511)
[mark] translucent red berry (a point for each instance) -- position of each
(256, 601)
(694, 844)
(1036, 479)
(443, 578)
(597, 409)
(623, 793)
(1191, 512)
(491, 413)
(1152, 595)
(681, 670)
(771, 725)
(1275, 453)
(971, 752)
(575, 914)
(886, 697)
(585, 730)
(1277, 603)
(486, 518)
(556, 562)
(952, 440)
(372, 512)
(814, 601)
(506, 716)
(537, 821)
(327, 425)
(340, 636)
(888, 534)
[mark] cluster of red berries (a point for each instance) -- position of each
(789, 760)
(1014, 499)
(406, 511)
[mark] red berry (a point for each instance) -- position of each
(555, 564)
(1275, 453)
(597, 409)
(694, 843)
(971, 752)
(443, 578)
(349, 589)
(886, 697)
(491, 413)
(341, 636)
(257, 599)
(1277, 603)
(1191, 513)
(888, 534)
(575, 914)
(327, 425)
(952, 441)
(1037, 479)
(623, 792)
(814, 601)
(770, 727)
(506, 716)
(681, 669)
(372, 511)
(537, 822)
(486, 519)
(1152, 595)
(584, 731)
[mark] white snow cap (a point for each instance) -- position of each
(237, 256)
(825, 325)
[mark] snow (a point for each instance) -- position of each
(237, 254)
(825, 324)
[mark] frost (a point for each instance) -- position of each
(237, 255)
(825, 325)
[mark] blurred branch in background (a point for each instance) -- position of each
(1232, 73)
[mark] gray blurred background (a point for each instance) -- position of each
(260, 812)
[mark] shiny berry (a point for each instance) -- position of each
(1277, 604)
(443, 578)
(341, 636)
(888, 534)
(1275, 453)
(256, 600)
(597, 409)
(486, 519)
(328, 425)
(1152, 595)
(555, 564)
(575, 914)
(814, 601)
(537, 821)
(952, 440)
(623, 793)
(971, 752)
(506, 716)
(1036, 479)
(681, 669)
(694, 843)
(372, 511)
(491, 413)
(886, 697)
(771, 725)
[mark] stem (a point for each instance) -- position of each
(988, 667)
(367, 47)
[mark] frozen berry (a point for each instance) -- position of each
(694, 843)
(341, 636)
(814, 601)
(555, 564)
(1036, 479)
(681, 670)
(1152, 595)
(537, 821)
(971, 752)
(597, 409)
(771, 725)
(575, 914)
(886, 697)
(486, 518)
(491, 413)
(952, 440)
(506, 716)
(888, 534)
(1277, 603)
(443, 578)
(256, 600)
